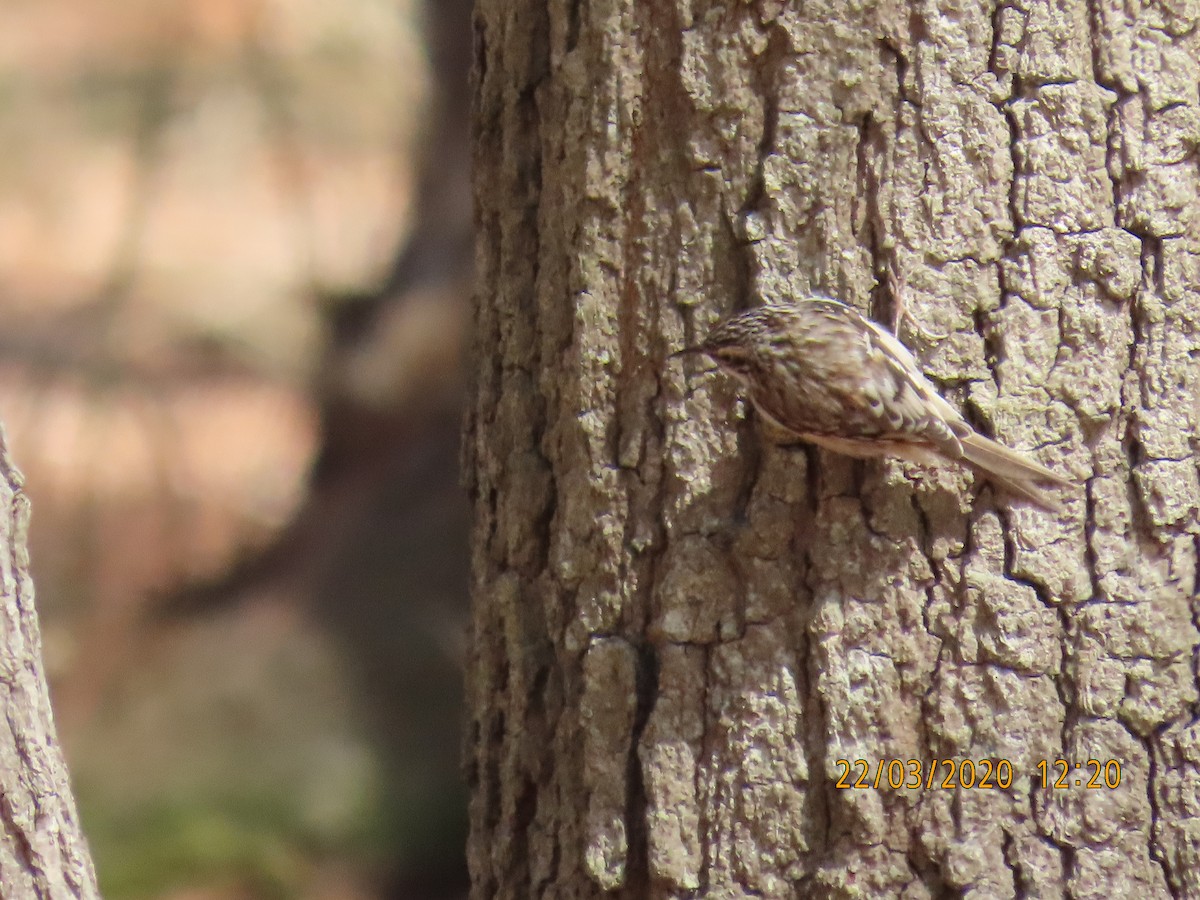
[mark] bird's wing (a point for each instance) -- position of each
(900, 399)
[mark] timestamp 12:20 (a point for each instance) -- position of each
(1061, 773)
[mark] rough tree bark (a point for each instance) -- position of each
(679, 628)
(42, 850)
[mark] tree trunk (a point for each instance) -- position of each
(42, 850)
(685, 636)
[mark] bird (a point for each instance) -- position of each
(820, 371)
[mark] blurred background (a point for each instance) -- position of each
(234, 274)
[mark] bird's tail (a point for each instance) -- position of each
(1013, 471)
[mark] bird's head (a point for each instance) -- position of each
(741, 345)
(734, 343)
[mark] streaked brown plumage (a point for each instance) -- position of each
(819, 370)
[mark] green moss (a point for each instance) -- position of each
(263, 845)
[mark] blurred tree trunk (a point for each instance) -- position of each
(680, 629)
(42, 849)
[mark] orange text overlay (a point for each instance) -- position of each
(911, 774)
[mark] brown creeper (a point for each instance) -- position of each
(819, 370)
